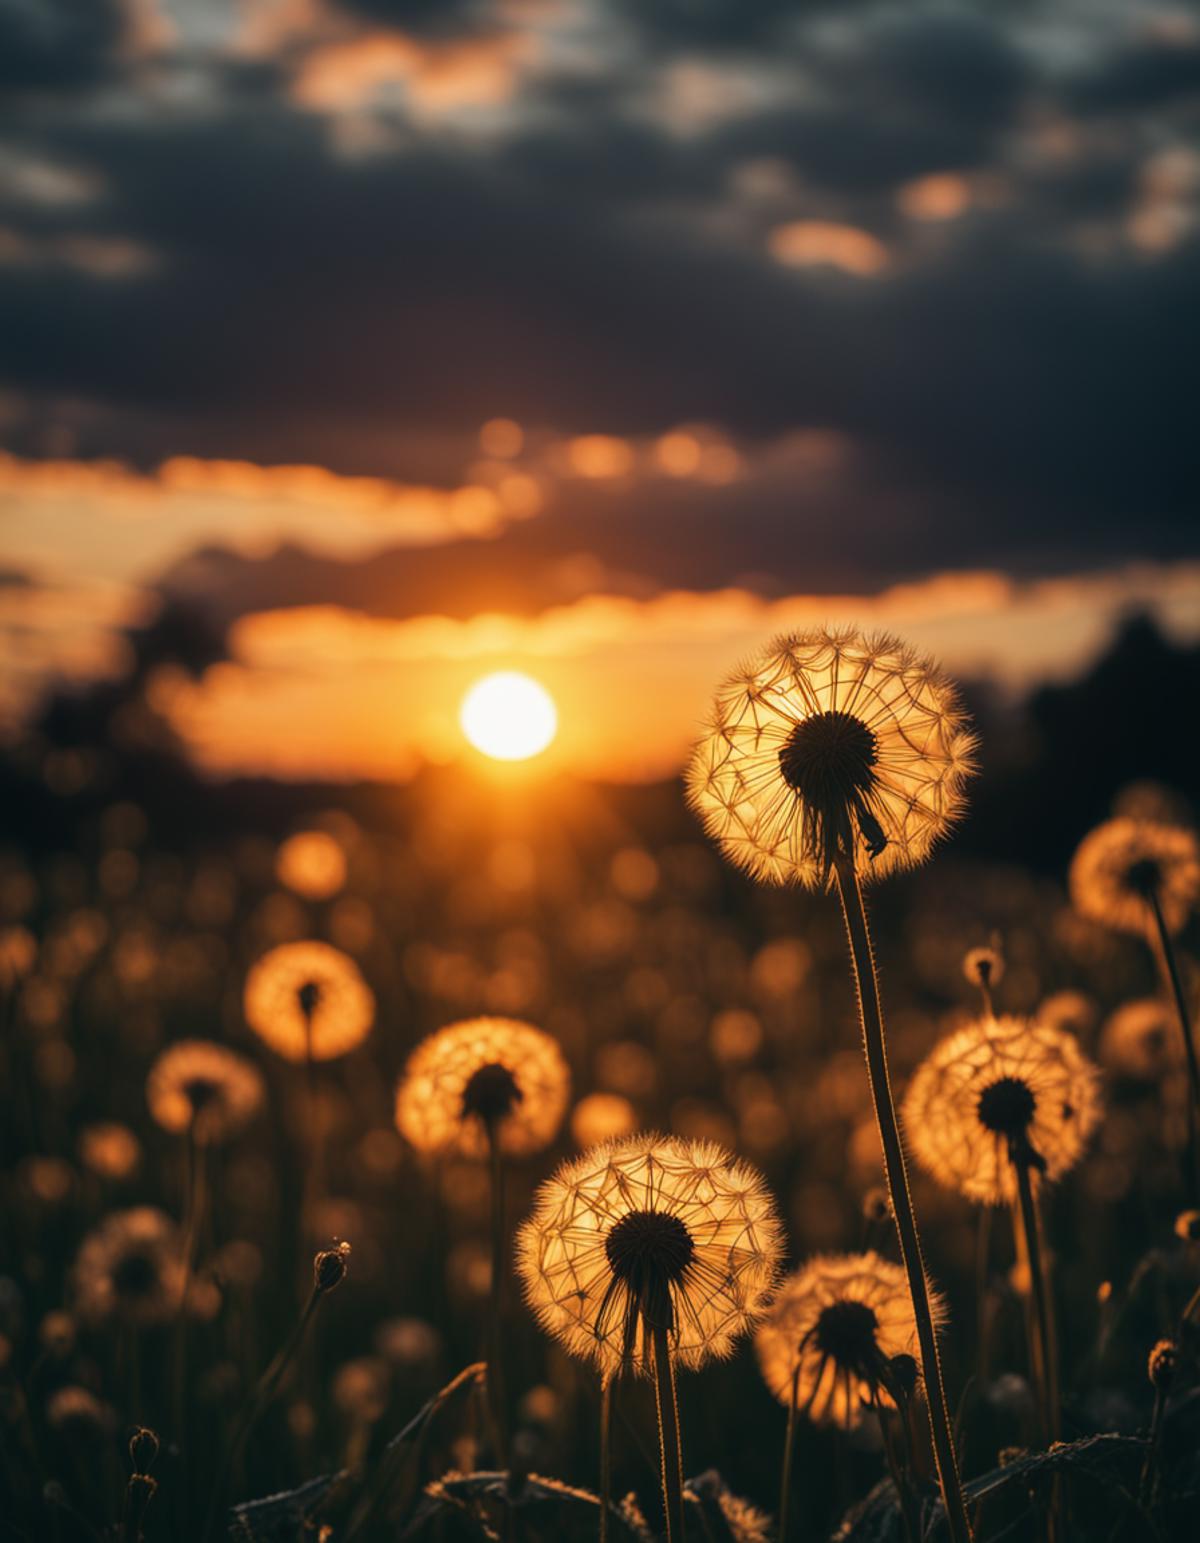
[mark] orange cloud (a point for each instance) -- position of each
(822, 244)
(67, 516)
(323, 691)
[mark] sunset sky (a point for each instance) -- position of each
(598, 339)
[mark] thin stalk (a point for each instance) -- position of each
(983, 1243)
(899, 1480)
(789, 1442)
(871, 1017)
(605, 1455)
(669, 1447)
(1149, 1477)
(1043, 1358)
(263, 1393)
(495, 1358)
(194, 1220)
(1170, 968)
(314, 1179)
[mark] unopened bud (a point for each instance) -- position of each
(1160, 1368)
(329, 1267)
(143, 1449)
(1187, 1226)
(876, 1206)
(904, 1369)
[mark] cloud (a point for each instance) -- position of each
(326, 692)
(82, 519)
(64, 45)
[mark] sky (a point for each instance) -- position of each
(602, 339)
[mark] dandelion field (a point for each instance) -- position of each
(438, 1163)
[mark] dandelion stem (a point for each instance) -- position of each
(871, 1017)
(669, 1446)
(789, 1442)
(899, 1479)
(314, 1179)
(259, 1399)
(605, 1455)
(1170, 968)
(194, 1220)
(495, 1358)
(1148, 1482)
(1043, 1356)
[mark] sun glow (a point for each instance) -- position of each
(508, 716)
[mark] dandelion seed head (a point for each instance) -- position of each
(984, 967)
(832, 1331)
(130, 1268)
(109, 1149)
(650, 1225)
(828, 741)
(997, 1086)
(308, 998)
(481, 1073)
(1162, 1364)
(1141, 1040)
(203, 1087)
(1120, 863)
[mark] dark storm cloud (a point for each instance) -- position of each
(1149, 73)
(56, 45)
(1009, 398)
(707, 24)
(924, 93)
(424, 17)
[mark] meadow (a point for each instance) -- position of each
(436, 1166)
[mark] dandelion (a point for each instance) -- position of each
(1140, 1040)
(998, 1094)
(130, 1268)
(1142, 876)
(649, 1252)
(1000, 1102)
(109, 1149)
(200, 1088)
(487, 1087)
(308, 1002)
(1127, 870)
(204, 1092)
(831, 743)
(312, 864)
(984, 968)
(830, 757)
(481, 1076)
(826, 1346)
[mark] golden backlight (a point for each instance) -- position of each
(509, 716)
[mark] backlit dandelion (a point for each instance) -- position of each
(830, 756)
(494, 1088)
(1140, 1040)
(1144, 877)
(197, 1086)
(998, 1104)
(485, 1074)
(312, 864)
(308, 1002)
(829, 742)
(832, 1328)
(130, 1268)
(109, 1149)
(646, 1252)
(997, 1087)
(1122, 866)
(826, 1345)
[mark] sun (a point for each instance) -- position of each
(508, 716)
